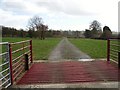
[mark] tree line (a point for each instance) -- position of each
(12, 32)
(37, 29)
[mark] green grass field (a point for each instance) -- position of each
(94, 48)
(41, 48)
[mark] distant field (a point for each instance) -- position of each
(41, 48)
(94, 48)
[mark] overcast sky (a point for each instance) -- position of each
(60, 14)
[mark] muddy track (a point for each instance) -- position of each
(66, 50)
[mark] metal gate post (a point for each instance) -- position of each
(119, 60)
(31, 51)
(8, 58)
(11, 70)
(26, 62)
(108, 50)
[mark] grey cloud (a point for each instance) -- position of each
(51, 5)
(15, 7)
(64, 6)
(68, 7)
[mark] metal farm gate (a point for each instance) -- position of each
(15, 58)
(5, 76)
(113, 51)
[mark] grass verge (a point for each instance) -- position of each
(94, 48)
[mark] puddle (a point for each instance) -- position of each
(86, 59)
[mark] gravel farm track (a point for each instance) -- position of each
(66, 50)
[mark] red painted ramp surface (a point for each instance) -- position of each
(70, 72)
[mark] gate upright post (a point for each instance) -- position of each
(108, 50)
(11, 71)
(31, 51)
(119, 60)
(26, 62)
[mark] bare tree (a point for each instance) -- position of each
(95, 28)
(36, 24)
(96, 25)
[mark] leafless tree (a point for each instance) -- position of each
(36, 24)
(95, 24)
(95, 28)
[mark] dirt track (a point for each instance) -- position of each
(66, 50)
